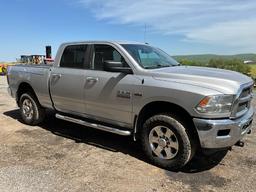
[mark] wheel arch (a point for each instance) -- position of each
(24, 87)
(157, 107)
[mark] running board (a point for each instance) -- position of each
(94, 125)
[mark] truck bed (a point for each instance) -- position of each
(35, 75)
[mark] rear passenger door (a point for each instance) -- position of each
(67, 81)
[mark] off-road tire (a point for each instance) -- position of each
(185, 140)
(38, 110)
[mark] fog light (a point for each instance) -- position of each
(224, 132)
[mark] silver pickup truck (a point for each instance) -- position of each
(135, 89)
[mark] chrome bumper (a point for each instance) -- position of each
(223, 132)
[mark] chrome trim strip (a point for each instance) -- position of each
(245, 99)
(236, 102)
(94, 125)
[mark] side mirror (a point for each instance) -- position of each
(116, 66)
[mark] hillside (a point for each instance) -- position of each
(207, 57)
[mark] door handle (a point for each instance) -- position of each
(54, 75)
(92, 79)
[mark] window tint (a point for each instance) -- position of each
(103, 53)
(74, 56)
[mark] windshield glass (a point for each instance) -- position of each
(149, 57)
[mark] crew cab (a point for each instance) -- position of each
(134, 89)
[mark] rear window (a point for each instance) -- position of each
(74, 56)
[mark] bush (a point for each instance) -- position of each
(229, 64)
(190, 62)
(234, 65)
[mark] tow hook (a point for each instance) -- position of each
(249, 132)
(240, 144)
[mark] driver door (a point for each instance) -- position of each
(108, 95)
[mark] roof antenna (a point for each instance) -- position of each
(145, 33)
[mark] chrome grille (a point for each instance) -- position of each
(246, 91)
(243, 101)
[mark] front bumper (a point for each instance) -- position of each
(223, 133)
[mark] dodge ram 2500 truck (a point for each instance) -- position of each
(135, 89)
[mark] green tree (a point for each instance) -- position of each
(189, 62)
(229, 64)
(233, 64)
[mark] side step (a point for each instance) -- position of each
(94, 125)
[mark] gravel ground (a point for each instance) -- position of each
(61, 156)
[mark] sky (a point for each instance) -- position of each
(177, 26)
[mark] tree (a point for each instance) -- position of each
(230, 64)
(189, 62)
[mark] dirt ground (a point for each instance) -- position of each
(62, 156)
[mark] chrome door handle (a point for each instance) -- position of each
(92, 79)
(56, 75)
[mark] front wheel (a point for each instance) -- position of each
(166, 142)
(31, 111)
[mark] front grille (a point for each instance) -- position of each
(242, 102)
(246, 91)
(242, 106)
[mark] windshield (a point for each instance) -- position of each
(149, 57)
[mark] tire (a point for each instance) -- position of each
(31, 111)
(172, 148)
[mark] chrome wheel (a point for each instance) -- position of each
(163, 142)
(27, 108)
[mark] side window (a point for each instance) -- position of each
(103, 53)
(74, 57)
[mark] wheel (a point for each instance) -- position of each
(31, 111)
(166, 142)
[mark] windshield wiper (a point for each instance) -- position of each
(158, 66)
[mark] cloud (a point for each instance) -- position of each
(236, 33)
(225, 22)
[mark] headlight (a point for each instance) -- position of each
(215, 104)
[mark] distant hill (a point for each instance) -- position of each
(207, 57)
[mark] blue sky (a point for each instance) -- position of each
(177, 26)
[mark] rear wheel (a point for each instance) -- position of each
(166, 142)
(31, 111)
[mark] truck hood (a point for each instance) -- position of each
(223, 81)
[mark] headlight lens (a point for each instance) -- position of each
(215, 104)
